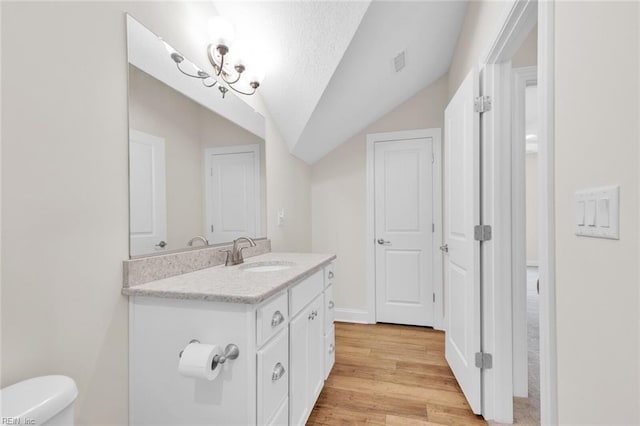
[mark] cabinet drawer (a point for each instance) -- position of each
(305, 292)
(329, 308)
(272, 317)
(329, 274)
(273, 376)
(281, 418)
(330, 351)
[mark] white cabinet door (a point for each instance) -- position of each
(316, 348)
(306, 360)
(299, 362)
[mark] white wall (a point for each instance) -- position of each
(527, 55)
(64, 190)
(338, 188)
(480, 25)
(289, 180)
(597, 281)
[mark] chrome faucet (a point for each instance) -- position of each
(199, 237)
(234, 256)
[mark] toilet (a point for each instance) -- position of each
(45, 400)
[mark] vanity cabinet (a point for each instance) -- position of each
(286, 351)
(307, 362)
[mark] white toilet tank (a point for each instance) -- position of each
(46, 400)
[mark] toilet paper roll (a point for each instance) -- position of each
(197, 361)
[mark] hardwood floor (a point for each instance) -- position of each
(391, 375)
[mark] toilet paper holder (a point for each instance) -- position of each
(230, 352)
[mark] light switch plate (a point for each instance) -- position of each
(597, 212)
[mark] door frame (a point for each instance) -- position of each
(234, 149)
(436, 135)
(523, 77)
(495, 65)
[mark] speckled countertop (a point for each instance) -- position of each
(234, 284)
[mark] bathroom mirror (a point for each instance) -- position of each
(196, 160)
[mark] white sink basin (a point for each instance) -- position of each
(266, 266)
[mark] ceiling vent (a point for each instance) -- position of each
(398, 61)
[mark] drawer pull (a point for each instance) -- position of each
(332, 348)
(277, 319)
(330, 274)
(278, 372)
(331, 304)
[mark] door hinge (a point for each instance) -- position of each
(211, 228)
(433, 227)
(434, 298)
(482, 232)
(482, 104)
(484, 360)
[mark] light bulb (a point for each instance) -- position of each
(220, 31)
(259, 65)
(241, 53)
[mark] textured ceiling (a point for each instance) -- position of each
(305, 41)
(331, 62)
(366, 86)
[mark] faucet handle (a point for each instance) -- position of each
(226, 261)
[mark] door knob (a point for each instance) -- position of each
(382, 242)
(161, 244)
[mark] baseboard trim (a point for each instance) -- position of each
(352, 315)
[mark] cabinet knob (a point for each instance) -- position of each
(331, 304)
(277, 319)
(278, 372)
(332, 348)
(330, 274)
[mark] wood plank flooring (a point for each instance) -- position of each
(391, 375)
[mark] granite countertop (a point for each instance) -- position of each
(233, 284)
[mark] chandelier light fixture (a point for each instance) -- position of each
(234, 65)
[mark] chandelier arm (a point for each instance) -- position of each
(212, 59)
(187, 74)
(221, 65)
(232, 82)
(241, 92)
(209, 85)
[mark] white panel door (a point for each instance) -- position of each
(233, 188)
(147, 193)
(403, 186)
(462, 264)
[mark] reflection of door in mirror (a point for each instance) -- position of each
(147, 193)
(232, 190)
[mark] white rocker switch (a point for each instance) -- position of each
(603, 212)
(580, 213)
(591, 213)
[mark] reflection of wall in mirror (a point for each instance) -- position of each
(188, 129)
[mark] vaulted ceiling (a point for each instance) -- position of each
(331, 63)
